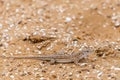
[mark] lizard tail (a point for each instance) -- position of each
(17, 57)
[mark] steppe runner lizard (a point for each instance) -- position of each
(58, 58)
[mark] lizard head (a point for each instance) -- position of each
(87, 50)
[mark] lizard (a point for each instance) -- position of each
(57, 58)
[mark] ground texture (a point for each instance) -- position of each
(35, 27)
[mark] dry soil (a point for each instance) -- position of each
(35, 27)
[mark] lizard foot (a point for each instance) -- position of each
(52, 61)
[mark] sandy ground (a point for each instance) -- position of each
(35, 27)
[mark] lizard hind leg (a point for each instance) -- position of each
(52, 61)
(76, 61)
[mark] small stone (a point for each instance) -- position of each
(12, 76)
(70, 74)
(54, 76)
(83, 64)
(1, 25)
(42, 78)
(23, 74)
(68, 19)
(29, 73)
(10, 70)
(44, 71)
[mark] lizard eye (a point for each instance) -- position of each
(87, 51)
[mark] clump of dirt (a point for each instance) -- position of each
(38, 38)
(107, 49)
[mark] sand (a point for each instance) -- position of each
(35, 27)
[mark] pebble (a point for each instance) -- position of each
(68, 19)
(12, 76)
(1, 25)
